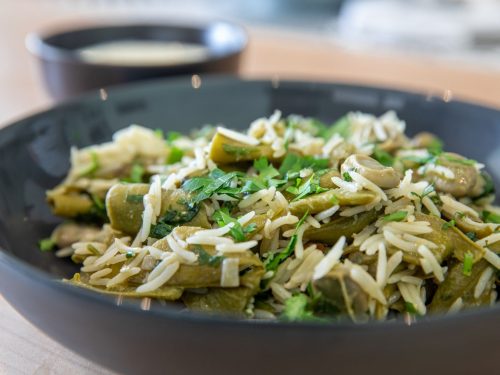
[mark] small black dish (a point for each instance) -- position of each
(131, 339)
(66, 72)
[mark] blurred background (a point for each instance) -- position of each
(449, 48)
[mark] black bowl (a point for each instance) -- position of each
(65, 73)
(121, 336)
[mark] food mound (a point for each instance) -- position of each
(292, 220)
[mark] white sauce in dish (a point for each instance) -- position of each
(143, 52)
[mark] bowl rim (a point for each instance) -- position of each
(36, 42)
(21, 266)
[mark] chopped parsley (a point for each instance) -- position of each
(297, 309)
(448, 224)
(175, 155)
(429, 189)
(490, 217)
(435, 147)
(468, 262)
(173, 136)
(159, 133)
(341, 127)
(204, 187)
(238, 232)
(311, 186)
(129, 254)
(396, 216)
(383, 157)
(47, 244)
(274, 260)
(136, 174)
(410, 308)
(93, 167)
(472, 236)
(160, 230)
(205, 259)
(293, 164)
(347, 176)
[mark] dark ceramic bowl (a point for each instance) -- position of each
(34, 156)
(65, 73)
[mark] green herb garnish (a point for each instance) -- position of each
(205, 259)
(292, 165)
(468, 263)
(172, 136)
(238, 232)
(472, 236)
(160, 230)
(396, 216)
(297, 309)
(383, 157)
(47, 244)
(175, 155)
(448, 224)
(490, 217)
(93, 167)
(274, 260)
(204, 187)
(347, 176)
(410, 308)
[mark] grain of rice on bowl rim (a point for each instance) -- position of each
(292, 219)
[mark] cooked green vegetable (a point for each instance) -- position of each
(291, 220)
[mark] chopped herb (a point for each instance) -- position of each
(136, 173)
(341, 127)
(383, 157)
(93, 249)
(435, 147)
(93, 167)
(448, 224)
(159, 133)
(204, 187)
(129, 254)
(134, 198)
(276, 259)
(292, 165)
(160, 230)
(347, 176)
(47, 244)
(265, 177)
(472, 236)
(311, 186)
(238, 232)
(175, 155)
(98, 209)
(396, 216)
(176, 217)
(410, 308)
(490, 217)
(172, 136)
(297, 309)
(205, 259)
(468, 262)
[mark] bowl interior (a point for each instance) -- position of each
(220, 38)
(35, 151)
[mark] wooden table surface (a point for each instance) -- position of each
(271, 53)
